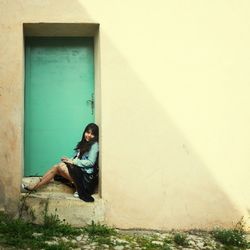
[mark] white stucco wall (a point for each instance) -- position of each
(174, 107)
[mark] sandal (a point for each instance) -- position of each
(76, 195)
(26, 189)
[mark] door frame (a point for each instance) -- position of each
(70, 30)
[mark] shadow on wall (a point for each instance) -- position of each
(167, 177)
(163, 185)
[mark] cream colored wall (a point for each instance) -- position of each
(173, 94)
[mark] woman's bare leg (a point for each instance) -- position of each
(60, 169)
(64, 172)
(45, 179)
(48, 173)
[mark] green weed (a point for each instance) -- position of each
(22, 235)
(235, 237)
(54, 226)
(180, 239)
(100, 233)
(147, 243)
(166, 247)
(96, 229)
(103, 240)
(168, 240)
(166, 243)
(231, 237)
(61, 246)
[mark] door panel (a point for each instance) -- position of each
(58, 84)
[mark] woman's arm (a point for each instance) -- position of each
(67, 160)
(90, 162)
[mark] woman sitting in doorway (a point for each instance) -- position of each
(82, 169)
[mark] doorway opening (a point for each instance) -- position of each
(60, 91)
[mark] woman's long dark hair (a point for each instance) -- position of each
(83, 145)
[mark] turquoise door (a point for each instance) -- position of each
(59, 95)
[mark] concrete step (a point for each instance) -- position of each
(58, 199)
(53, 186)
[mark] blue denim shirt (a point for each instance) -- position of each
(88, 159)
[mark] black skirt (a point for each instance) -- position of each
(85, 183)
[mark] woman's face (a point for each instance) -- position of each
(89, 135)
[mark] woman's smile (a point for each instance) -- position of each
(89, 136)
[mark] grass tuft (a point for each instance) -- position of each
(230, 237)
(180, 239)
(100, 234)
(96, 229)
(22, 235)
(53, 225)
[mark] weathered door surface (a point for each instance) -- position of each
(59, 88)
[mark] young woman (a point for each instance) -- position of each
(82, 169)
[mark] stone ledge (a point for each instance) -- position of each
(53, 186)
(68, 208)
(59, 199)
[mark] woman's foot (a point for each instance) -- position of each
(85, 198)
(26, 188)
(88, 199)
(76, 195)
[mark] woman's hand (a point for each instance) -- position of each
(66, 160)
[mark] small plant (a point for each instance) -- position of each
(103, 240)
(99, 230)
(180, 239)
(146, 242)
(166, 243)
(168, 240)
(101, 234)
(166, 247)
(230, 237)
(53, 225)
(20, 234)
(25, 210)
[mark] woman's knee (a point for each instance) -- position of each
(61, 167)
(54, 169)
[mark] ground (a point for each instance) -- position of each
(55, 234)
